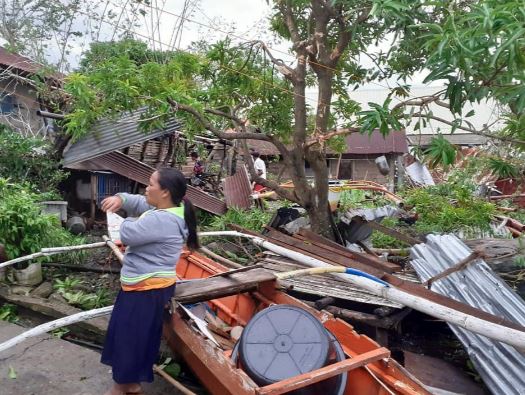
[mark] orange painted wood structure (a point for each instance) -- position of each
(370, 369)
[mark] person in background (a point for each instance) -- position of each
(198, 167)
(154, 243)
(260, 170)
(198, 170)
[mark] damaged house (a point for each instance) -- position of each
(357, 162)
(117, 156)
(19, 101)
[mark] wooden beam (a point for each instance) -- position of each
(391, 232)
(366, 259)
(459, 266)
(194, 291)
(324, 373)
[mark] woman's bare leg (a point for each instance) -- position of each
(122, 389)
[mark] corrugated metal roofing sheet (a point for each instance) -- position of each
(25, 65)
(501, 366)
(237, 189)
(112, 134)
(356, 143)
(456, 138)
(19, 62)
(135, 170)
(321, 285)
(363, 144)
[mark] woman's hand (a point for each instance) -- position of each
(112, 203)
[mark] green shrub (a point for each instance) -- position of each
(8, 312)
(253, 219)
(29, 160)
(382, 240)
(450, 207)
(24, 229)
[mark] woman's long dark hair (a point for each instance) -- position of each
(174, 181)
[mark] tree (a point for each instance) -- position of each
(49, 31)
(220, 85)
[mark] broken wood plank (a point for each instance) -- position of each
(366, 259)
(305, 379)
(320, 285)
(54, 309)
(239, 270)
(314, 251)
(459, 266)
(194, 291)
(390, 232)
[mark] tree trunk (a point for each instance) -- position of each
(320, 221)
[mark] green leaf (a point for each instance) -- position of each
(12, 373)
(173, 370)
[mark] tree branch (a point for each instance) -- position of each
(281, 66)
(481, 132)
(286, 10)
(321, 138)
(422, 101)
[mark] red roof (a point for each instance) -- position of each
(24, 64)
(19, 62)
(394, 143)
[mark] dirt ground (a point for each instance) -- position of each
(45, 365)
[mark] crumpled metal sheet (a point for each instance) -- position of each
(354, 231)
(108, 135)
(501, 366)
(370, 214)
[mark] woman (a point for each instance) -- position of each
(154, 242)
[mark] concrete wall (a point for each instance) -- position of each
(23, 118)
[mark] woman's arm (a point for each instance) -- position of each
(134, 205)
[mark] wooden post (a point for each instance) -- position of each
(93, 207)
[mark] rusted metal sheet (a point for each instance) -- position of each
(113, 134)
(237, 190)
(21, 63)
(356, 144)
(135, 170)
(364, 144)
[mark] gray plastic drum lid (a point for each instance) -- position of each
(283, 341)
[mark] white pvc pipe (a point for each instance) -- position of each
(494, 331)
(52, 251)
(501, 333)
(49, 326)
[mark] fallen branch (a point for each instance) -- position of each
(80, 268)
(457, 267)
(221, 259)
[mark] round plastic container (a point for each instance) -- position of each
(283, 341)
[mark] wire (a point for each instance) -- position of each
(221, 66)
(241, 38)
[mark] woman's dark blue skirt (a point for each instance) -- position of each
(134, 333)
